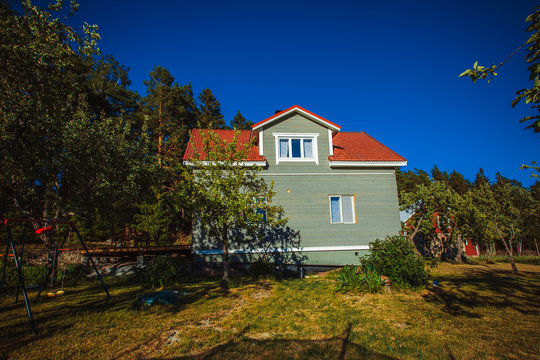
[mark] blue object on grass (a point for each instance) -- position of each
(435, 282)
(166, 297)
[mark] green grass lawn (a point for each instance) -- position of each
(477, 312)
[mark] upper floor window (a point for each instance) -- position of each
(296, 147)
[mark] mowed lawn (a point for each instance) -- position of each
(476, 312)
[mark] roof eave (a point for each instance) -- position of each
(261, 163)
(344, 163)
(300, 110)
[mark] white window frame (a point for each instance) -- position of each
(340, 196)
(302, 136)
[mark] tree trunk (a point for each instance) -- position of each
(411, 237)
(160, 135)
(442, 246)
(460, 249)
(225, 259)
(536, 243)
(508, 250)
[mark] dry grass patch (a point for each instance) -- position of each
(477, 312)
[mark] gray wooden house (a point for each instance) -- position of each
(338, 190)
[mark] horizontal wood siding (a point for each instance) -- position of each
(307, 207)
(296, 124)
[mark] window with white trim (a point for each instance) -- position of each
(342, 209)
(296, 147)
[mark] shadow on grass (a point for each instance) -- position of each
(463, 295)
(242, 346)
(55, 315)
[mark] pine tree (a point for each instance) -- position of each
(481, 178)
(240, 123)
(439, 175)
(210, 116)
(458, 182)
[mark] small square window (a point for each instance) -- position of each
(342, 209)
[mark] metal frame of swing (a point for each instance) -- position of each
(9, 223)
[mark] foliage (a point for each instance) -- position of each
(35, 274)
(529, 95)
(373, 283)
(224, 196)
(155, 217)
(351, 279)
(210, 111)
(62, 153)
(434, 202)
(240, 123)
(161, 271)
(395, 258)
(32, 274)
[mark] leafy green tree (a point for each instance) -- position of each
(57, 156)
(210, 116)
(530, 95)
(107, 88)
(408, 181)
(224, 196)
(437, 206)
(500, 213)
(240, 123)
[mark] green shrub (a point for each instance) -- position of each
(395, 258)
(352, 279)
(161, 271)
(349, 279)
(32, 274)
(373, 284)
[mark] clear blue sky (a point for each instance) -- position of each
(389, 68)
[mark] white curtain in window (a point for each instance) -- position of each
(335, 212)
(308, 149)
(284, 148)
(348, 209)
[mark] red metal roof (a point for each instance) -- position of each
(271, 118)
(196, 143)
(359, 146)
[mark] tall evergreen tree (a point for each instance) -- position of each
(171, 112)
(439, 175)
(481, 178)
(458, 182)
(210, 116)
(240, 123)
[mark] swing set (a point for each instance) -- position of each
(68, 227)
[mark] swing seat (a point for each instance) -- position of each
(44, 230)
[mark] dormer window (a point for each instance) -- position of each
(296, 147)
